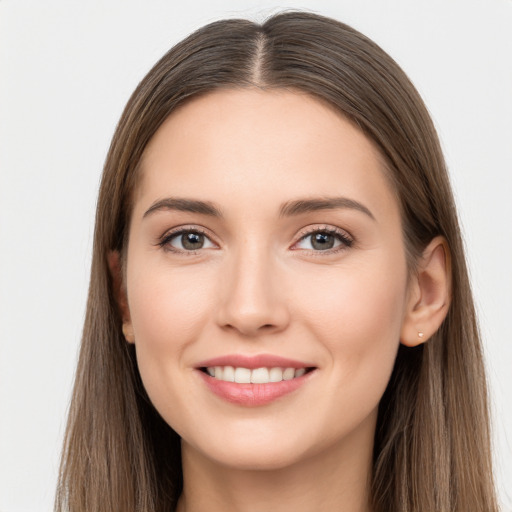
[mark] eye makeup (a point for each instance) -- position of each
(324, 239)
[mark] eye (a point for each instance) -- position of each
(324, 240)
(186, 240)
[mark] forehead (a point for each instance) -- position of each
(256, 144)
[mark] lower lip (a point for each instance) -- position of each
(253, 395)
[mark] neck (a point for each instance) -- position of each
(336, 479)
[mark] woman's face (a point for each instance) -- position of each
(265, 236)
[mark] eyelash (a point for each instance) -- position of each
(341, 236)
(164, 242)
(346, 241)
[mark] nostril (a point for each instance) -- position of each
(249, 328)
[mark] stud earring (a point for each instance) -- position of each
(420, 335)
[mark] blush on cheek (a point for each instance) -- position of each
(359, 318)
(168, 312)
(168, 303)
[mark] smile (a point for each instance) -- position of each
(255, 380)
(263, 375)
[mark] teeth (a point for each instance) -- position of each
(229, 374)
(260, 376)
(276, 374)
(242, 375)
(256, 376)
(300, 372)
(288, 374)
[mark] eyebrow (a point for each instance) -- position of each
(302, 206)
(288, 209)
(184, 205)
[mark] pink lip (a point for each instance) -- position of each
(251, 362)
(252, 395)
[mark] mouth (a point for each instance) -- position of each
(262, 375)
(254, 380)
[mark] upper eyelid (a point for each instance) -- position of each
(347, 240)
(319, 228)
(168, 235)
(186, 229)
(303, 232)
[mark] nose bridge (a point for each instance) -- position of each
(252, 300)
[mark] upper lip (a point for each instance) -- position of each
(254, 361)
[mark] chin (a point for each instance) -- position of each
(252, 450)
(251, 458)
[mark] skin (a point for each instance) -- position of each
(258, 285)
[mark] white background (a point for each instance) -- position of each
(66, 70)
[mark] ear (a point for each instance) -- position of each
(116, 271)
(429, 294)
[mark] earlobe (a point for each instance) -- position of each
(128, 332)
(114, 263)
(429, 294)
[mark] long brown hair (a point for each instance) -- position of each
(432, 448)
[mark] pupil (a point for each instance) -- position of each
(192, 241)
(322, 241)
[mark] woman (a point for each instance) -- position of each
(279, 314)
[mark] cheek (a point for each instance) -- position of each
(359, 300)
(168, 311)
(167, 306)
(357, 316)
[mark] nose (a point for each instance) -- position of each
(252, 301)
